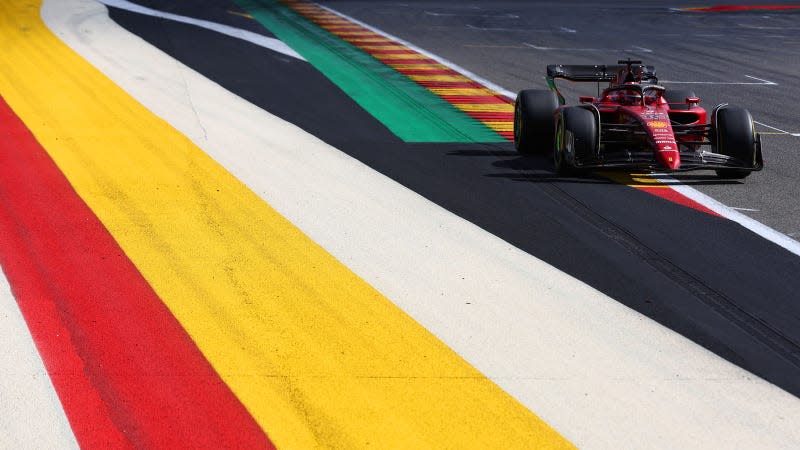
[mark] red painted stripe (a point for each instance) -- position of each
(126, 372)
(676, 197)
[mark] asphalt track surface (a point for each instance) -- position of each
(704, 277)
(711, 53)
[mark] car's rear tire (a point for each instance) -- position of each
(576, 139)
(677, 98)
(534, 125)
(736, 137)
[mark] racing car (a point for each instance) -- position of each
(633, 124)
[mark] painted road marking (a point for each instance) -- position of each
(410, 62)
(126, 372)
(776, 129)
(688, 193)
(240, 14)
(238, 33)
(633, 48)
(739, 8)
(759, 81)
(572, 367)
(316, 354)
(488, 16)
(409, 110)
(444, 64)
(32, 416)
(478, 104)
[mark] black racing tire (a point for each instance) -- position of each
(677, 98)
(736, 137)
(576, 135)
(534, 125)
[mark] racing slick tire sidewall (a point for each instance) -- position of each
(735, 137)
(534, 127)
(576, 139)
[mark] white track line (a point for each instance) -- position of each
(255, 38)
(602, 374)
(776, 129)
(30, 412)
(734, 215)
(760, 82)
(753, 225)
(581, 49)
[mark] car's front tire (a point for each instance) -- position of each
(736, 137)
(576, 138)
(533, 121)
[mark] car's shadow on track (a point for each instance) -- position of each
(540, 169)
(531, 169)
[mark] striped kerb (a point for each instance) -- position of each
(481, 103)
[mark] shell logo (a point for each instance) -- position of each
(657, 124)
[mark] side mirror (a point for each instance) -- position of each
(586, 99)
(692, 101)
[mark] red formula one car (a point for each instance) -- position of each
(634, 124)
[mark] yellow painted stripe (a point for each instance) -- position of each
(237, 13)
(507, 125)
(633, 179)
(318, 356)
(462, 91)
(391, 56)
(485, 107)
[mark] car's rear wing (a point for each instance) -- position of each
(593, 73)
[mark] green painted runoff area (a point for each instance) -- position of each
(411, 112)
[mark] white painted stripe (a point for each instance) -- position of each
(776, 129)
(485, 16)
(30, 412)
(582, 49)
(255, 38)
(599, 372)
(757, 227)
(759, 82)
